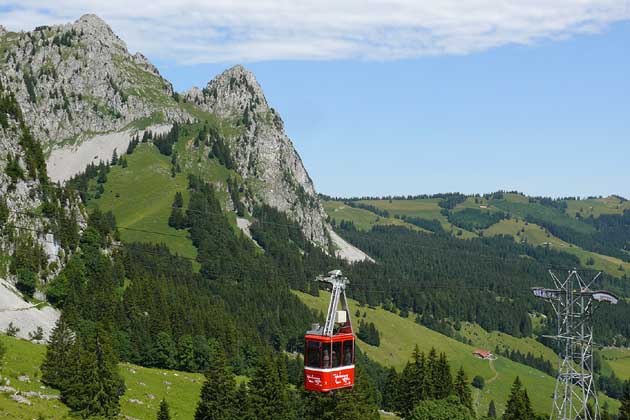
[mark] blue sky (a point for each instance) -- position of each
(551, 118)
(533, 98)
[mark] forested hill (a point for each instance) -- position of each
(475, 258)
(594, 229)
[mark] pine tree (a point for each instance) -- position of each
(268, 390)
(243, 411)
(186, 354)
(217, 400)
(95, 386)
(445, 409)
(3, 351)
(624, 410)
(164, 413)
(462, 389)
(492, 410)
(442, 378)
(164, 351)
(179, 200)
(56, 368)
(358, 403)
(391, 390)
(518, 405)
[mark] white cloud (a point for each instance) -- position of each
(195, 31)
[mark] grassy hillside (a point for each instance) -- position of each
(490, 340)
(512, 204)
(141, 196)
(400, 335)
(537, 235)
(362, 219)
(617, 360)
(516, 204)
(145, 387)
(422, 208)
(597, 206)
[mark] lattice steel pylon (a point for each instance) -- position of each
(574, 304)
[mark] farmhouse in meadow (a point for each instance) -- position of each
(483, 354)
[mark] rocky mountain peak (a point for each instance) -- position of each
(262, 150)
(3, 30)
(232, 93)
(92, 26)
(78, 79)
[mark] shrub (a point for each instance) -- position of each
(26, 282)
(478, 382)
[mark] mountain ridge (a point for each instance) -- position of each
(85, 95)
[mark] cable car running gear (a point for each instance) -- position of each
(329, 350)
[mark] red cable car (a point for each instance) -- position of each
(329, 350)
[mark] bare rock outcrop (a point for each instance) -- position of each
(262, 150)
(78, 79)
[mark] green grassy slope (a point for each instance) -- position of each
(516, 227)
(537, 235)
(422, 208)
(490, 340)
(141, 196)
(400, 335)
(597, 206)
(145, 388)
(515, 205)
(617, 360)
(362, 219)
(148, 386)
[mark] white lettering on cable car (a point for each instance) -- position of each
(341, 379)
(315, 380)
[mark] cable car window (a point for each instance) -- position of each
(326, 355)
(348, 352)
(336, 354)
(313, 354)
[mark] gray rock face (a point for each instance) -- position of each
(263, 151)
(22, 197)
(78, 79)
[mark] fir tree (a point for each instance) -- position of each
(56, 366)
(186, 354)
(3, 351)
(442, 378)
(391, 389)
(164, 351)
(624, 410)
(462, 389)
(492, 410)
(518, 405)
(445, 409)
(95, 387)
(358, 403)
(164, 413)
(217, 400)
(268, 391)
(243, 411)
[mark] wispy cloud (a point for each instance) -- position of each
(198, 31)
